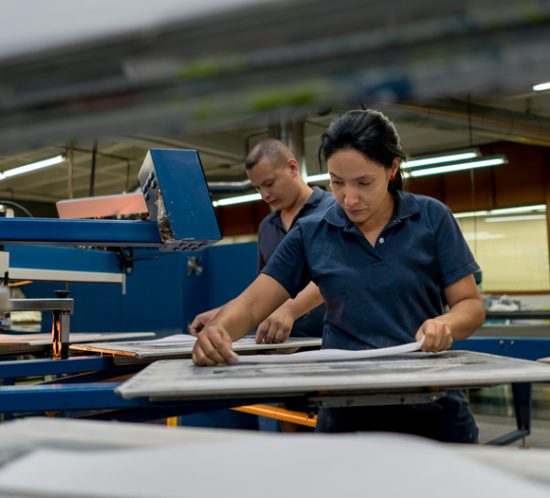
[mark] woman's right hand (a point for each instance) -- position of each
(213, 347)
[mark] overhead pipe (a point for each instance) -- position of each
(495, 123)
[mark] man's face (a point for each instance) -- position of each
(275, 183)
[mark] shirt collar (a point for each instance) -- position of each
(406, 206)
(315, 198)
(312, 201)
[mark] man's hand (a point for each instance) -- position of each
(275, 328)
(201, 321)
(213, 347)
(436, 334)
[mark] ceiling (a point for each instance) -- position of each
(449, 76)
(424, 129)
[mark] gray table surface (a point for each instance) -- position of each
(180, 379)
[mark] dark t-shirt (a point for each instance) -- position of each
(270, 235)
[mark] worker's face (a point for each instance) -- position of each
(275, 183)
(359, 185)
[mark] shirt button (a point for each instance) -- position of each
(381, 240)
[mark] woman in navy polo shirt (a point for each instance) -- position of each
(392, 267)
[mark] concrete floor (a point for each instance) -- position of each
(494, 412)
(491, 427)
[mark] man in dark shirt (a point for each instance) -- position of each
(275, 173)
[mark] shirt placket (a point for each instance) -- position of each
(385, 232)
(363, 242)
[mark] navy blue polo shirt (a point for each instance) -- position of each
(270, 235)
(271, 231)
(375, 296)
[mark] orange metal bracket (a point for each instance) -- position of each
(279, 414)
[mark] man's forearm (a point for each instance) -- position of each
(309, 298)
(247, 310)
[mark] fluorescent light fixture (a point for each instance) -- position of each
(321, 177)
(27, 168)
(519, 217)
(415, 163)
(483, 236)
(535, 208)
(450, 168)
(541, 208)
(542, 87)
(441, 159)
(471, 214)
(240, 199)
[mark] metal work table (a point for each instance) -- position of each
(11, 343)
(149, 351)
(84, 383)
(180, 379)
(529, 341)
(411, 378)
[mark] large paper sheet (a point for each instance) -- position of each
(318, 466)
(332, 355)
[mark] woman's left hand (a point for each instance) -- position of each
(435, 336)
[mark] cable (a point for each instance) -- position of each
(472, 175)
(16, 205)
(93, 168)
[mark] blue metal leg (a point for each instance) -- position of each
(522, 406)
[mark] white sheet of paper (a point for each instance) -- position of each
(319, 466)
(331, 355)
(185, 339)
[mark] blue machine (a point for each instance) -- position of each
(183, 208)
(182, 218)
(179, 205)
(184, 284)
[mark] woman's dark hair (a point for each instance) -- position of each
(369, 132)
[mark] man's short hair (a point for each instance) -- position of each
(275, 151)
